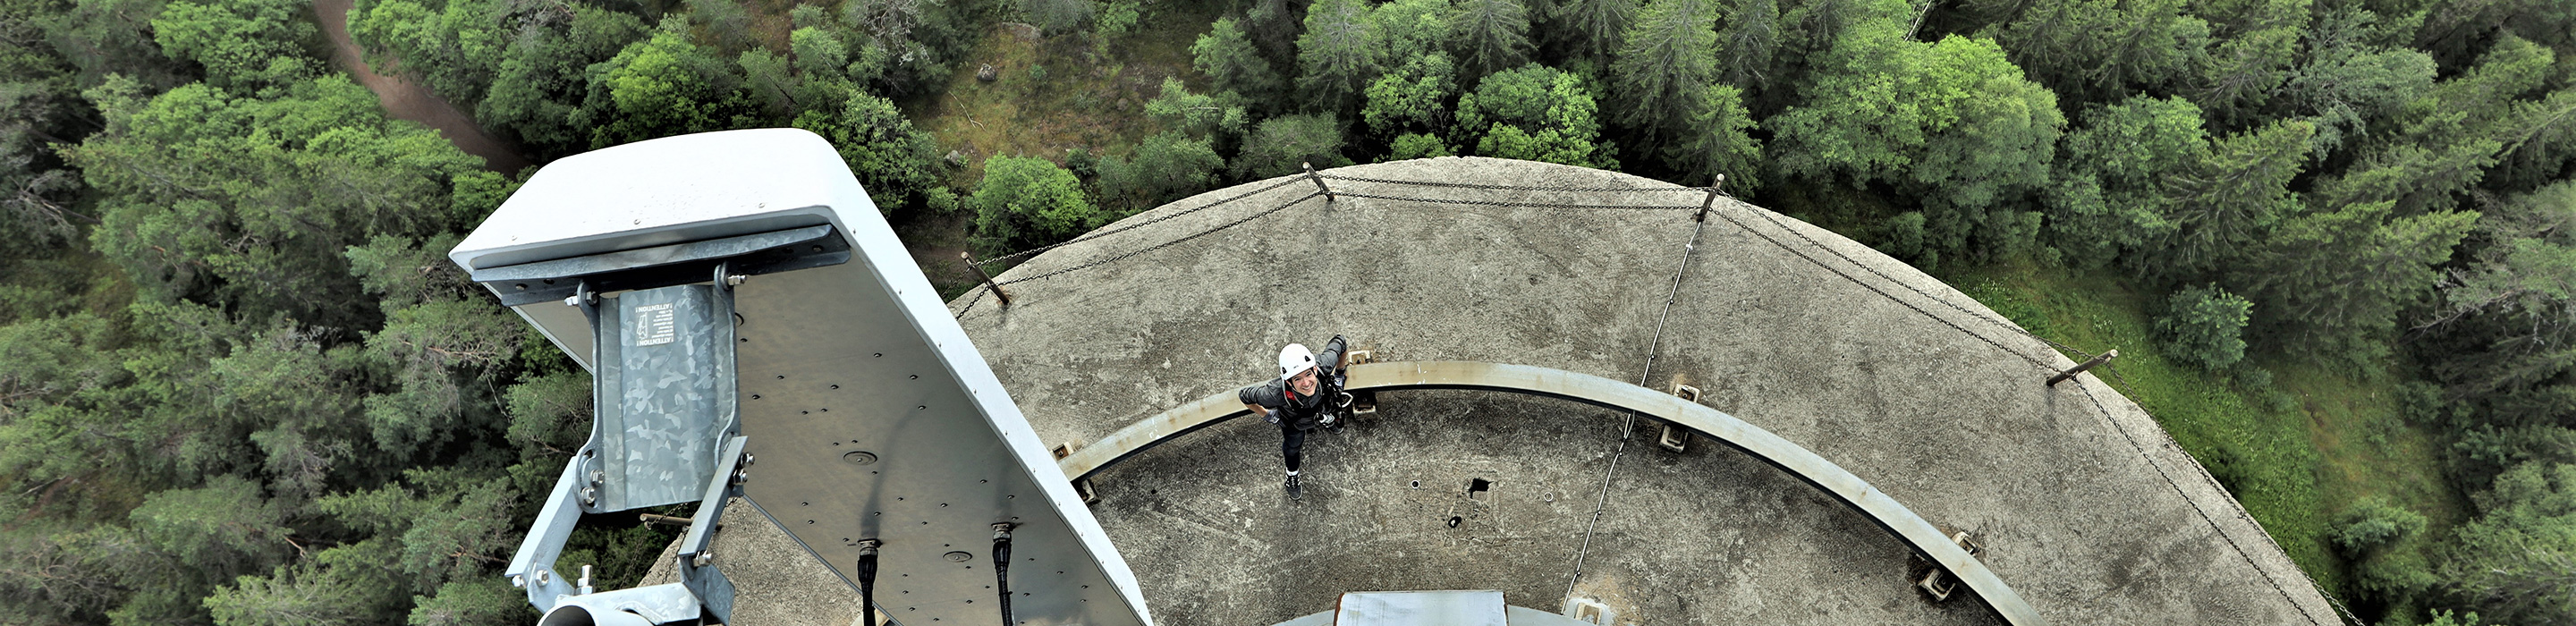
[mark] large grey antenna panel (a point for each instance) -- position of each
(864, 411)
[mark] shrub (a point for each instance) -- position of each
(2373, 523)
(1026, 202)
(2205, 326)
(1280, 144)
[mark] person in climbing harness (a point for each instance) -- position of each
(1307, 395)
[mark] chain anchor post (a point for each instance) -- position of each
(989, 285)
(1319, 182)
(1711, 200)
(2079, 368)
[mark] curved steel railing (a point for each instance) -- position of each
(1921, 535)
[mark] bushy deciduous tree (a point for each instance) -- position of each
(1166, 167)
(898, 163)
(1280, 145)
(1025, 202)
(1534, 113)
(1413, 99)
(1952, 122)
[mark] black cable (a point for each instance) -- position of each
(868, 580)
(1002, 568)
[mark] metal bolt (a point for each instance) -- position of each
(704, 558)
(589, 496)
(519, 581)
(736, 279)
(598, 477)
(544, 576)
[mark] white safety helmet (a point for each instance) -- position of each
(1293, 359)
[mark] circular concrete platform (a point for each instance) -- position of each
(2081, 502)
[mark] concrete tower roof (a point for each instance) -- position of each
(2082, 503)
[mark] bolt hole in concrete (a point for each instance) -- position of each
(1454, 520)
(1417, 484)
(1476, 487)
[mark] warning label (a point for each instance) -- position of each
(656, 324)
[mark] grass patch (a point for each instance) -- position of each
(1051, 95)
(1054, 94)
(2296, 450)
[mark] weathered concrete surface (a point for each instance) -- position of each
(2084, 507)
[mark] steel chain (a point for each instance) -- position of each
(980, 291)
(2006, 325)
(1129, 227)
(1119, 257)
(2098, 406)
(1425, 183)
(1536, 205)
(2204, 513)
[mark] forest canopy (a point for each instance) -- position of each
(239, 383)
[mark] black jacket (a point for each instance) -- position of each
(1301, 413)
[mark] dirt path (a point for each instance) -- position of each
(406, 100)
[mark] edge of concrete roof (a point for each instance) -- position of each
(1781, 323)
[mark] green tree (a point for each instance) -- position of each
(2447, 139)
(898, 163)
(2333, 281)
(660, 87)
(538, 93)
(1418, 146)
(2373, 524)
(241, 43)
(1058, 16)
(1593, 30)
(1413, 99)
(1747, 43)
(2116, 181)
(1281, 144)
(2253, 44)
(1166, 167)
(248, 202)
(2103, 50)
(1028, 202)
(1338, 54)
(1409, 30)
(2227, 201)
(454, 51)
(1952, 123)
(1669, 58)
(2517, 560)
(2205, 326)
(2348, 85)
(1488, 36)
(1217, 118)
(1231, 63)
(1534, 113)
